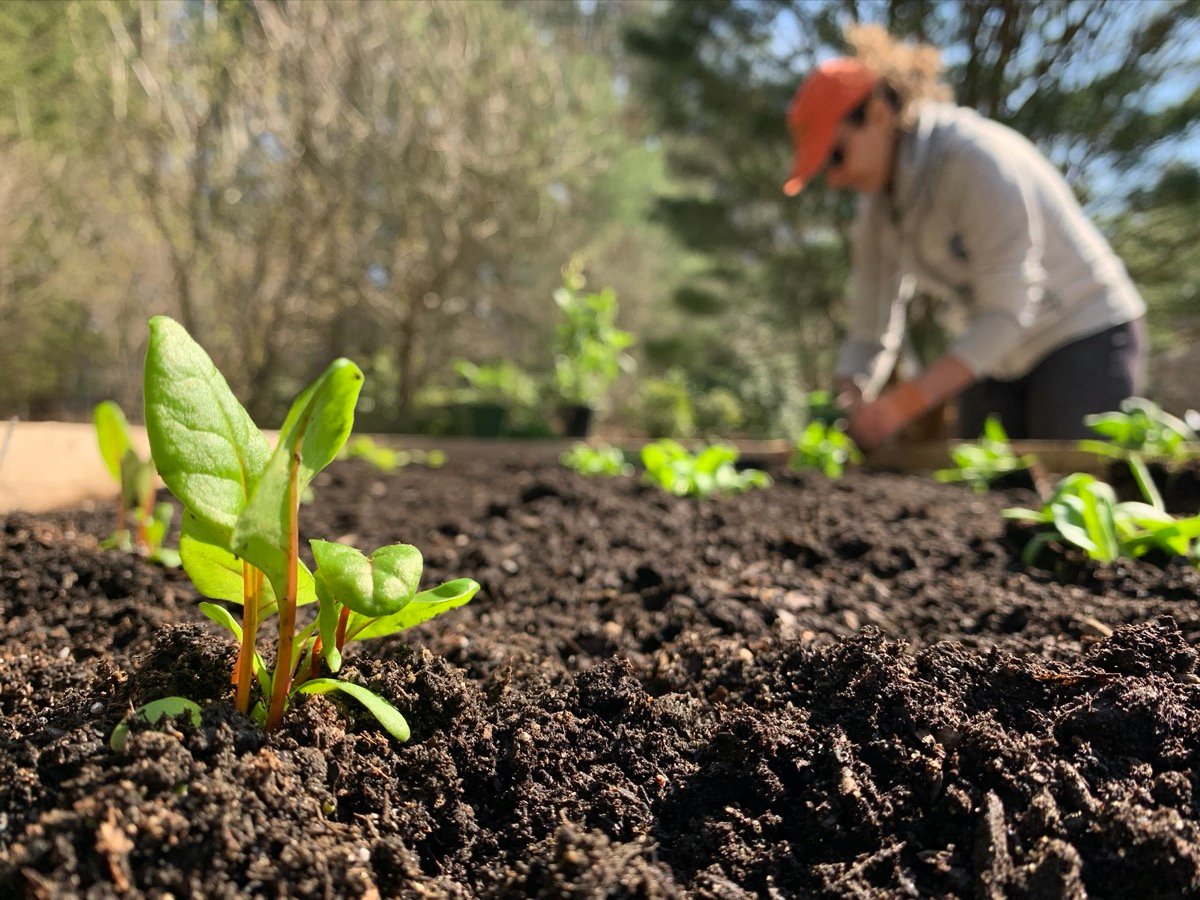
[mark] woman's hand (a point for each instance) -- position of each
(874, 423)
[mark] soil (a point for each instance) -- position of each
(831, 688)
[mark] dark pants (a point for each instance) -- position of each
(1090, 375)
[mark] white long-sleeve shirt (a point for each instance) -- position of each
(977, 214)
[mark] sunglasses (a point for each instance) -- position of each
(855, 118)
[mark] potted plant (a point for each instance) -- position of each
(590, 351)
(492, 392)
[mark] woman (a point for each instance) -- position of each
(963, 208)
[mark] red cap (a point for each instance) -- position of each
(824, 98)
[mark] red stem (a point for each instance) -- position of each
(243, 675)
(287, 605)
(343, 619)
(143, 539)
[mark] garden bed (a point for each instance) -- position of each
(837, 688)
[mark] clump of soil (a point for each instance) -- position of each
(826, 689)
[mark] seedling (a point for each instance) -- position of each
(1141, 430)
(1084, 512)
(711, 470)
(503, 383)
(602, 460)
(982, 463)
(825, 446)
(590, 353)
(151, 713)
(240, 531)
(135, 503)
(386, 459)
(1141, 427)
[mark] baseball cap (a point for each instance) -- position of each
(823, 99)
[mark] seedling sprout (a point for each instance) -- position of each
(240, 540)
(135, 503)
(711, 470)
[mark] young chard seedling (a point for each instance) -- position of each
(241, 532)
(136, 500)
(602, 460)
(711, 470)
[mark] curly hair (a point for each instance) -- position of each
(911, 73)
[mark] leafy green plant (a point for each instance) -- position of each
(664, 406)
(1141, 430)
(711, 470)
(240, 540)
(1143, 427)
(825, 446)
(135, 504)
(602, 460)
(590, 353)
(387, 459)
(503, 383)
(981, 463)
(1083, 511)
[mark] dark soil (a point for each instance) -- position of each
(841, 689)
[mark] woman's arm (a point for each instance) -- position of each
(874, 423)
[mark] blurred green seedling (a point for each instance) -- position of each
(600, 460)
(140, 524)
(1083, 512)
(983, 462)
(711, 470)
(1139, 431)
(824, 445)
(387, 459)
(1143, 427)
(240, 540)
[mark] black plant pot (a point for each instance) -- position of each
(576, 420)
(486, 419)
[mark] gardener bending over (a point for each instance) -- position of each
(966, 209)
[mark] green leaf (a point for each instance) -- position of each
(217, 573)
(386, 714)
(112, 434)
(994, 431)
(375, 585)
(328, 614)
(207, 450)
(223, 617)
(423, 607)
(314, 431)
(137, 480)
(151, 713)
(1141, 474)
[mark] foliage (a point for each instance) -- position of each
(1142, 427)
(664, 406)
(600, 460)
(719, 411)
(241, 526)
(710, 470)
(297, 181)
(1084, 512)
(825, 446)
(503, 383)
(981, 463)
(136, 499)
(590, 349)
(387, 459)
